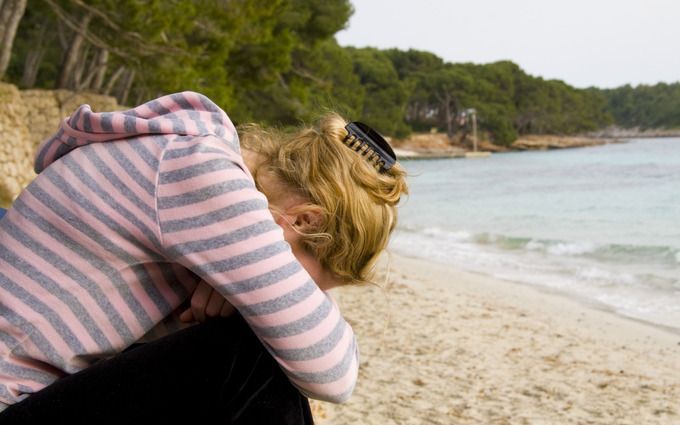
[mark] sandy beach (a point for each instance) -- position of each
(441, 346)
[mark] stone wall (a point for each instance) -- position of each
(26, 118)
(16, 149)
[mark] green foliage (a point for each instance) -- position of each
(277, 62)
(439, 93)
(508, 102)
(409, 62)
(35, 32)
(645, 106)
(385, 95)
(335, 86)
(267, 60)
(295, 69)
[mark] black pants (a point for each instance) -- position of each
(217, 370)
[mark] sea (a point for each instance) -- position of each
(598, 224)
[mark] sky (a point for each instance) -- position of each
(601, 43)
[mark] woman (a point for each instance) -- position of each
(134, 211)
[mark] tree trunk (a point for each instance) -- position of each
(34, 58)
(449, 116)
(100, 71)
(68, 66)
(79, 69)
(93, 66)
(31, 67)
(114, 78)
(11, 12)
(61, 35)
(127, 85)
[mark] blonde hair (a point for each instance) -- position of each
(357, 202)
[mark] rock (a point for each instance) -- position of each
(544, 142)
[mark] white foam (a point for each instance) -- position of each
(655, 307)
(447, 234)
(535, 246)
(571, 248)
(598, 275)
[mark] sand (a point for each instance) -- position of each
(441, 346)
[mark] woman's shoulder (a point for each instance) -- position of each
(202, 154)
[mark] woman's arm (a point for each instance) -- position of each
(213, 221)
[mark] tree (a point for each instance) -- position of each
(410, 62)
(644, 106)
(11, 12)
(449, 87)
(385, 95)
(414, 68)
(294, 70)
(277, 62)
(327, 74)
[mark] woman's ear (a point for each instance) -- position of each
(308, 218)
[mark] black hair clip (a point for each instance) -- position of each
(371, 145)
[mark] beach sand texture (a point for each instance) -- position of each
(441, 346)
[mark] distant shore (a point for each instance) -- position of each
(438, 145)
(443, 346)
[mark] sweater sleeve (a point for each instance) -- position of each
(214, 222)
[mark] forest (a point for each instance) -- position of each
(278, 62)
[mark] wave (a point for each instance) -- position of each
(614, 253)
(635, 281)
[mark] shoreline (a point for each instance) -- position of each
(441, 345)
(437, 145)
(559, 296)
(551, 301)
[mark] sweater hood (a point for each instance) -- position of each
(182, 114)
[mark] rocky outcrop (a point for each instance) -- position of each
(635, 132)
(28, 117)
(434, 145)
(438, 144)
(544, 142)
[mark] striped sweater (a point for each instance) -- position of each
(128, 212)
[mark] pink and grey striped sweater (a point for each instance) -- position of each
(129, 211)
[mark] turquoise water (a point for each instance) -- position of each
(601, 224)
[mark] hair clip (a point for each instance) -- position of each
(371, 145)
